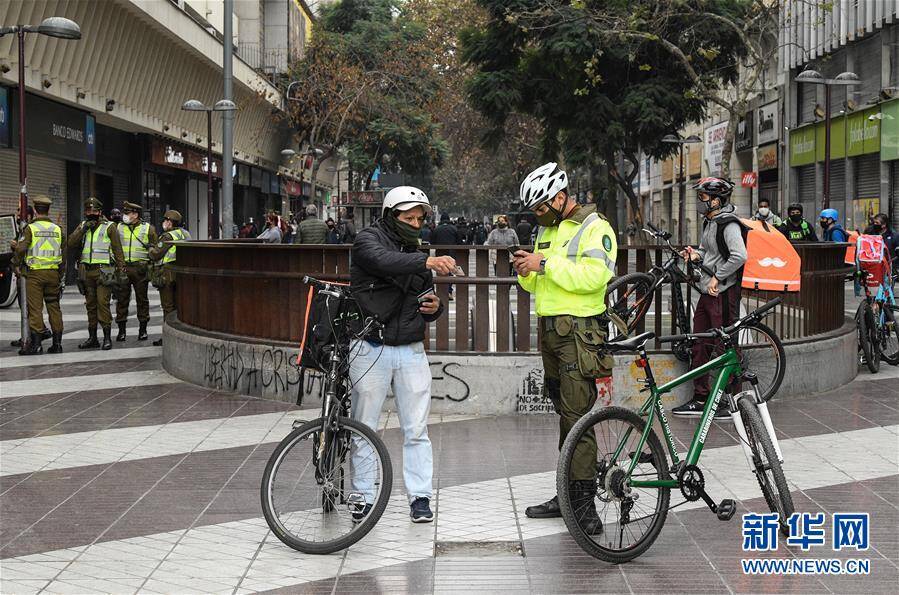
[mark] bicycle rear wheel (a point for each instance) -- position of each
(316, 480)
(889, 336)
(632, 517)
(762, 353)
(867, 336)
(767, 467)
(630, 296)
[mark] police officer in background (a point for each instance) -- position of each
(41, 251)
(99, 247)
(165, 256)
(136, 236)
(795, 227)
(572, 262)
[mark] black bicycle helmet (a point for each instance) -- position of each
(795, 207)
(715, 187)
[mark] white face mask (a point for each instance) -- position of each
(126, 218)
(764, 211)
(167, 225)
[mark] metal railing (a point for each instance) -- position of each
(255, 291)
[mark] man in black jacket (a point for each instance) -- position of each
(392, 280)
(446, 233)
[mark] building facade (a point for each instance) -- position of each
(104, 117)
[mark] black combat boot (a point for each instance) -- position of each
(107, 338)
(157, 342)
(57, 343)
(548, 510)
(583, 505)
(121, 336)
(34, 345)
(45, 334)
(91, 341)
(142, 333)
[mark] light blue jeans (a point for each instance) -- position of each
(373, 368)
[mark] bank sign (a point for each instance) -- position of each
(57, 130)
(4, 117)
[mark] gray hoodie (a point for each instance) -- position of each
(725, 270)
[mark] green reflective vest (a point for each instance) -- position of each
(177, 235)
(580, 260)
(95, 249)
(45, 251)
(134, 242)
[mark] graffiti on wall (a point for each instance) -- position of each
(250, 369)
(532, 401)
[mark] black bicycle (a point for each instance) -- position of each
(630, 297)
(328, 482)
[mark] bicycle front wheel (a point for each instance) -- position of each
(318, 483)
(762, 353)
(631, 517)
(630, 296)
(867, 336)
(767, 467)
(889, 336)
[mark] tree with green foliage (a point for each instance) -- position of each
(365, 87)
(595, 94)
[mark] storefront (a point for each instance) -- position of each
(175, 177)
(863, 147)
(802, 160)
(59, 140)
(889, 153)
(365, 206)
(767, 127)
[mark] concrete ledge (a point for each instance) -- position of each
(479, 384)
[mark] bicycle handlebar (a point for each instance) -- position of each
(753, 316)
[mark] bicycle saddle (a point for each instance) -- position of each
(628, 344)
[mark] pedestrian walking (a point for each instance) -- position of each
(99, 245)
(446, 233)
(346, 228)
(833, 231)
(523, 230)
(568, 277)
(272, 232)
(40, 256)
(392, 280)
(312, 230)
(136, 237)
(765, 214)
(795, 227)
(331, 238)
(719, 302)
(503, 236)
(163, 257)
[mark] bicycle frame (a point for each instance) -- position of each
(729, 365)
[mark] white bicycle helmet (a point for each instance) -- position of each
(542, 185)
(403, 198)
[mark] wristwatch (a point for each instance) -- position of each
(543, 266)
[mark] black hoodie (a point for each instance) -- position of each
(386, 279)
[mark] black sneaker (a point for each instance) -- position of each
(420, 511)
(692, 409)
(359, 516)
(722, 414)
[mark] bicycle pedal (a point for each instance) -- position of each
(726, 509)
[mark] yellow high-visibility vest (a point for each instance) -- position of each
(45, 251)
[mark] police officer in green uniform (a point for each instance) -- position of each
(41, 251)
(572, 263)
(136, 237)
(795, 227)
(165, 256)
(99, 246)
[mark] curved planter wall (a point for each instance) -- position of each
(472, 383)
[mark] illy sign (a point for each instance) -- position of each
(749, 179)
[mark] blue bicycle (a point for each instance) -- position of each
(878, 332)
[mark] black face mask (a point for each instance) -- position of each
(877, 227)
(92, 217)
(796, 218)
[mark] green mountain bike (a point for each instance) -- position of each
(633, 479)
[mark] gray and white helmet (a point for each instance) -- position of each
(542, 185)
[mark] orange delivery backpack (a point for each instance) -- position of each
(772, 263)
(871, 256)
(850, 251)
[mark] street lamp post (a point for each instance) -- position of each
(223, 105)
(681, 189)
(61, 28)
(290, 154)
(813, 77)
